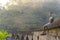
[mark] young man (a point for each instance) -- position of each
(51, 19)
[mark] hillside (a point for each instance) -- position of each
(28, 15)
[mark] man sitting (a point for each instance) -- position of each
(51, 19)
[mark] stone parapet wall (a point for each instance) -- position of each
(53, 34)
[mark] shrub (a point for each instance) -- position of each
(4, 35)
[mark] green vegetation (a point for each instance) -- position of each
(4, 35)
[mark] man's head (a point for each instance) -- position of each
(50, 14)
(51, 19)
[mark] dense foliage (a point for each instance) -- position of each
(4, 35)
